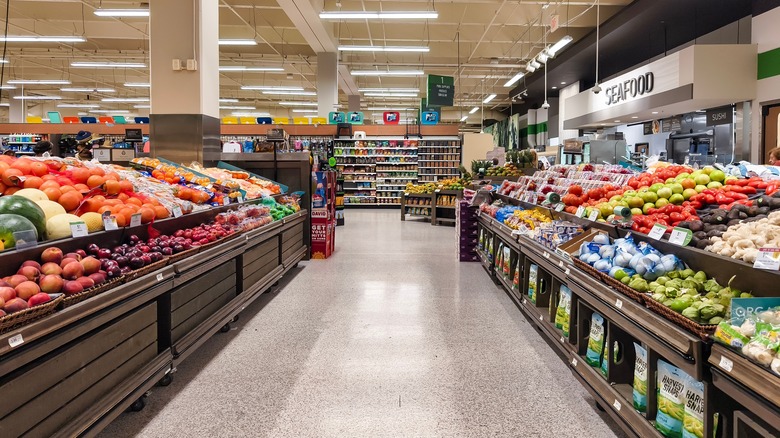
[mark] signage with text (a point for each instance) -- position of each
(720, 116)
(630, 88)
(441, 90)
(391, 117)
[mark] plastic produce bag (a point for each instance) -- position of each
(595, 340)
(671, 400)
(563, 312)
(693, 421)
(640, 379)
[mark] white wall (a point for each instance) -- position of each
(766, 34)
(635, 134)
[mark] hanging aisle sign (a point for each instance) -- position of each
(429, 118)
(391, 117)
(335, 118)
(441, 90)
(356, 118)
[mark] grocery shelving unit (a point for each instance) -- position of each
(417, 205)
(445, 202)
(439, 158)
(439, 206)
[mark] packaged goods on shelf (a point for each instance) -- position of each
(639, 391)
(252, 186)
(555, 233)
(596, 340)
(563, 310)
(533, 283)
(756, 336)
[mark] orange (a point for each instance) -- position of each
(11, 190)
(4, 166)
(39, 169)
(112, 187)
(96, 171)
(160, 212)
(95, 180)
(24, 165)
(91, 205)
(123, 197)
(112, 176)
(147, 215)
(126, 213)
(133, 207)
(121, 222)
(53, 193)
(135, 201)
(66, 189)
(10, 175)
(64, 181)
(81, 187)
(49, 184)
(112, 202)
(49, 177)
(104, 209)
(69, 201)
(99, 198)
(125, 186)
(32, 182)
(80, 174)
(7, 159)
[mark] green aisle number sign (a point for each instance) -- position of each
(441, 90)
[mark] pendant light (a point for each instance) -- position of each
(597, 88)
(545, 105)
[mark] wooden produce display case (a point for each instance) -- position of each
(418, 203)
(84, 365)
(445, 213)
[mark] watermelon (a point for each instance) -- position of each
(24, 207)
(12, 223)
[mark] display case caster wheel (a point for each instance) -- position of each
(296, 266)
(276, 283)
(599, 407)
(235, 319)
(166, 380)
(225, 328)
(138, 405)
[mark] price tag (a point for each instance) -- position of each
(681, 236)
(177, 211)
(574, 362)
(437, 191)
(523, 300)
(617, 405)
(135, 220)
(160, 276)
(568, 271)
(541, 317)
(580, 211)
(226, 200)
(726, 364)
(559, 207)
(109, 223)
(560, 264)
(78, 229)
(657, 231)
(594, 214)
(563, 340)
(546, 254)
(618, 303)
(768, 258)
(16, 340)
(240, 199)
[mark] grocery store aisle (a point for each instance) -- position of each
(391, 337)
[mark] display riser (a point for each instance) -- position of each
(117, 345)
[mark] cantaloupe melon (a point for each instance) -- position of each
(58, 227)
(51, 208)
(32, 194)
(94, 221)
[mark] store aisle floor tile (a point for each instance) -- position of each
(390, 337)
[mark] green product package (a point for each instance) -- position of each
(481, 243)
(640, 379)
(532, 283)
(671, 400)
(605, 357)
(693, 420)
(499, 257)
(490, 249)
(506, 261)
(595, 340)
(563, 312)
(516, 279)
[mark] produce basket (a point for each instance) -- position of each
(218, 242)
(183, 255)
(615, 284)
(145, 270)
(703, 331)
(24, 317)
(70, 300)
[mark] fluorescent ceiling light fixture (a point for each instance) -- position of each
(559, 45)
(126, 99)
(3, 61)
(138, 84)
(390, 108)
(534, 63)
(384, 49)
(389, 90)
(298, 103)
(7, 87)
(464, 118)
(110, 111)
(634, 117)
(616, 121)
(237, 107)
(366, 15)
(473, 110)
(289, 93)
(270, 88)
(387, 73)
(88, 90)
(39, 82)
(228, 100)
(37, 97)
(305, 111)
(108, 64)
(42, 39)
(489, 98)
(514, 79)
(237, 42)
(530, 68)
(122, 12)
(77, 105)
(245, 114)
(5, 104)
(391, 94)
(142, 106)
(247, 68)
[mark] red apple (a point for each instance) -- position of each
(67, 261)
(73, 255)
(90, 265)
(51, 284)
(98, 277)
(72, 271)
(30, 272)
(27, 289)
(72, 287)
(53, 255)
(15, 305)
(51, 269)
(32, 263)
(38, 299)
(86, 282)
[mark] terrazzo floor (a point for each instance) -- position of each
(390, 337)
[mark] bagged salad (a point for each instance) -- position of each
(671, 400)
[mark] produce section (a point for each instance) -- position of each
(658, 304)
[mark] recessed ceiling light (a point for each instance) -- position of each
(387, 73)
(248, 69)
(384, 49)
(473, 110)
(237, 42)
(126, 99)
(616, 121)
(270, 88)
(42, 39)
(554, 87)
(39, 82)
(365, 15)
(122, 12)
(634, 117)
(108, 64)
(655, 112)
(563, 83)
(37, 97)
(138, 84)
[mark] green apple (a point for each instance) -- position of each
(677, 199)
(717, 175)
(636, 211)
(687, 193)
(629, 193)
(623, 203)
(647, 207)
(664, 193)
(682, 176)
(702, 180)
(616, 198)
(707, 169)
(700, 189)
(643, 189)
(635, 202)
(655, 187)
(676, 188)
(670, 180)
(661, 203)
(605, 209)
(649, 197)
(714, 185)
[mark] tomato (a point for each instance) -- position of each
(575, 190)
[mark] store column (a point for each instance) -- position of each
(327, 82)
(354, 102)
(184, 70)
(17, 108)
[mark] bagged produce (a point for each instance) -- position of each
(490, 249)
(499, 257)
(605, 359)
(640, 378)
(693, 420)
(506, 261)
(516, 279)
(671, 400)
(595, 340)
(563, 312)
(532, 283)
(481, 242)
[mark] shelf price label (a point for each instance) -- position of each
(681, 236)
(618, 303)
(580, 211)
(617, 405)
(559, 207)
(657, 232)
(109, 222)
(135, 220)
(16, 340)
(768, 258)
(594, 214)
(78, 229)
(177, 211)
(726, 364)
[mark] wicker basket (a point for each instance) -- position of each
(70, 300)
(145, 270)
(183, 255)
(703, 331)
(219, 242)
(615, 284)
(18, 319)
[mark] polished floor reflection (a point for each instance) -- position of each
(391, 337)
